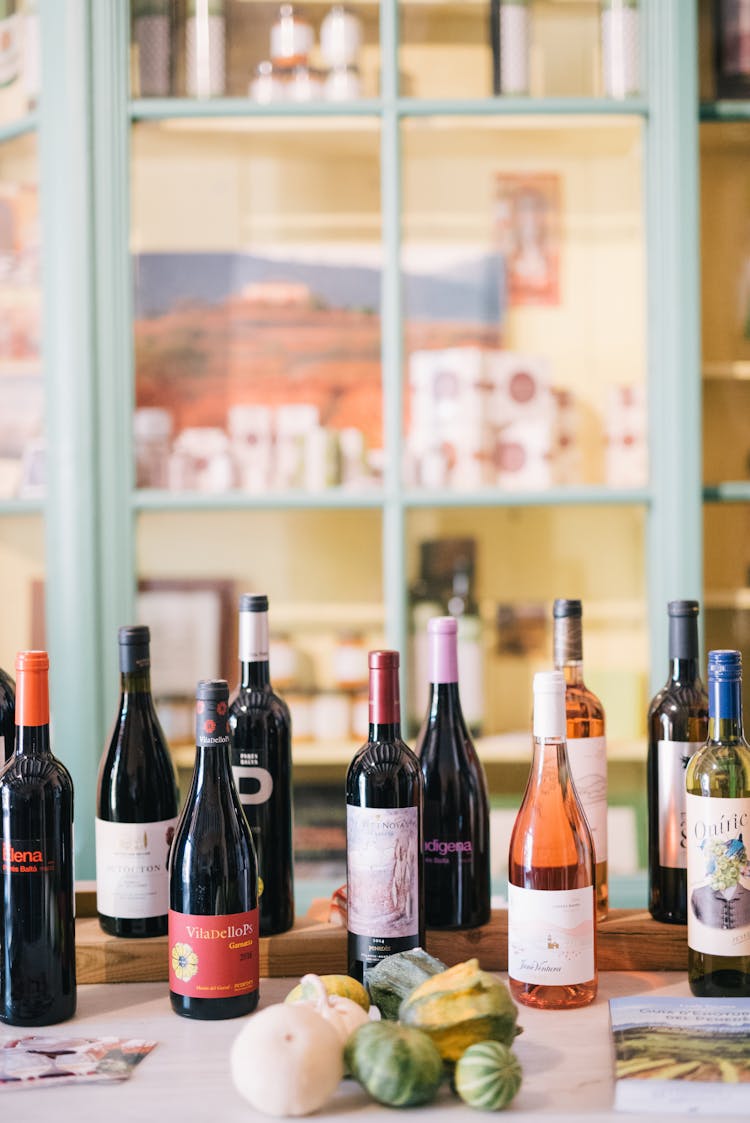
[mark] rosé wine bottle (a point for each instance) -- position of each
(551, 924)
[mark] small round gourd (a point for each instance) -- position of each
(399, 1066)
(287, 1060)
(487, 1076)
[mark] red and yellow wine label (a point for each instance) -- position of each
(213, 956)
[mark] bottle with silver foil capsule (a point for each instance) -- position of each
(136, 804)
(213, 880)
(718, 835)
(261, 755)
(37, 949)
(456, 813)
(677, 728)
(384, 789)
(587, 745)
(551, 924)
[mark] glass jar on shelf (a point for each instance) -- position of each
(620, 46)
(205, 49)
(304, 84)
(152, 47)
(340, 37)
(268, 84)
(343, 83)
(292, 37)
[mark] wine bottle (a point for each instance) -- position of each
(456, 821)
(384, 788)
(136, 804)
(213, 880)
(718, 819)
(261, 754)
(7, 716)
(551, 923)
(677, 727)
(37, 960)
(587, 745)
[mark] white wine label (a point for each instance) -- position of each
(131, 868)
(382, 859)
(551, 935)
(587, 757)
(718, 875)
(672, 759)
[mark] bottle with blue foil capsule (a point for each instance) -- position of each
(718, 837)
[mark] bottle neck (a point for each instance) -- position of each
(384, 731)
(385, 704)
(135, 682)
(724, 710)
(445, 699)
(33, 740)
(255, 675)
(568, 648)
(683, 649)
(549, 765)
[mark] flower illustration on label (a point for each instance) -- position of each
(184, 962)
(725, 861)
(221, 709)
(210, 725)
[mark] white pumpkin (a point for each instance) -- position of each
(287, 1060)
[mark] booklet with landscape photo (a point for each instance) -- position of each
(681, 1054)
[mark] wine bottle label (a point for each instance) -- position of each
(587, 757)
(672, 759)
(718, 875)
(382, 857)
(213, 956)
(551, 935)
(27, 856)
(254, 785)
(131, 868)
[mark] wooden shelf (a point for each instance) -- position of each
(629, 940)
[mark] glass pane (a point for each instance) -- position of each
(193, 566)
(21, 576)
(21, 389)
(545, 48)
(248, 48)
(19, 59)
(523, 266)
(726, 560)
(257, 334)
(725, 262)
(517, 560)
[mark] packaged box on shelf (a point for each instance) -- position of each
(524, 454)
(520, 386)
(293, 424)
(626, 436)
(201, 461)
(251, 441)
(451, 439)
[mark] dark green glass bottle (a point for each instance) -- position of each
(718, 830)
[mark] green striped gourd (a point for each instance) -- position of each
(397, 1065)
(487, 1076)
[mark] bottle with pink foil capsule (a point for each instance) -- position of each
(456, 821)
(383, 832)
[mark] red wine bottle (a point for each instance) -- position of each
(384, 785)
(136, 804)
(38, 960)
(551, 909)
(213, 881)
(7, 716)
(261, 754)
(456, 820)
(677, 728)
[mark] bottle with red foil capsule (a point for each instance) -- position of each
(37, 961)
(213, 880)
(383, 831)
(456, 811)
(551, 925)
